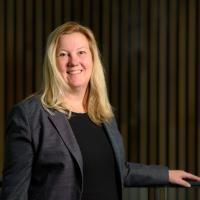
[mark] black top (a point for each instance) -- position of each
(99, 166)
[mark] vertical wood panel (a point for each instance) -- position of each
(198, 89)
(48, 17)
(9, 55)
(106, 38)
(40, 42)
(2, 80)
(191, 86)
(133, 150)
(19, 50)
(95, 16)
(191, 92)
(143, 84)
(28, 51)
(86, 13)
(163, 83)
(181, 134)
(76, 9)
(57, 6)
(181, 87)
(66, 10)
(114, 55)
(172, 68)
(153, 72)
(123, 72)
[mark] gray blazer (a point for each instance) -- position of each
(43, 160)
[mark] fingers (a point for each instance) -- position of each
(184, 183)
(192, 177)
(181, 177)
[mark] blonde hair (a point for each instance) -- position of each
(54, 87)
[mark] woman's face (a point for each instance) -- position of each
(74, 60)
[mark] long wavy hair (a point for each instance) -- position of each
(54, 87)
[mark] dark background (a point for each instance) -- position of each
(150, 50)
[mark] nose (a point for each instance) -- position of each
(73, 60)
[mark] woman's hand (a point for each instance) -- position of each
(180, 177)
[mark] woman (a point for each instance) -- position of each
(64, 144)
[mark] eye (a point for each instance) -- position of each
(82, 52)
(62, 54)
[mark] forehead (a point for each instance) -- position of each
(75, 39)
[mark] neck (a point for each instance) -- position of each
(77, 101)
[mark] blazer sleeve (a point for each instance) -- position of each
(136, 174)
(18, 156)
(145, 175)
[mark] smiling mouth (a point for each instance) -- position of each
(74, 72)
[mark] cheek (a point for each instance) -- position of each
(61, 66)
(89, 63)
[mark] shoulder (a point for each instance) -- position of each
(28, 114)
(30, 106)
(30, 103)
(112, 127)
(112, 123)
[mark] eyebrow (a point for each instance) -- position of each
(76, 49)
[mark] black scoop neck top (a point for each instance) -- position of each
(99, 166)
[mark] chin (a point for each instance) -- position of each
(77, 86)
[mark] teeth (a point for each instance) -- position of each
(74, 72)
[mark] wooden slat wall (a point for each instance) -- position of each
(2, 81)
(151, 54)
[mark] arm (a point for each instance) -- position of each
(149, 175)
(135, 174)
(145, 175)
(18, 157)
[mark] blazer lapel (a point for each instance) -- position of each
(116, 142)
(64, 129)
